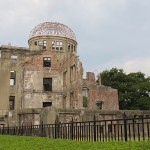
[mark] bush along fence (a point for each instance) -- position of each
(97, 130)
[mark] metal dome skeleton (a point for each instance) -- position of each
(52, 29)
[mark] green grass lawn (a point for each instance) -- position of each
(39, 143)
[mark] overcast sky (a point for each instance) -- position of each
(110, 33)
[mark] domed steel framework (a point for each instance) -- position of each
(52, 29)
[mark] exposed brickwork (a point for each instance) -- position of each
(59, 84)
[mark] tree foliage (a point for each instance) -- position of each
(133, 88)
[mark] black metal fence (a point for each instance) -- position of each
(97, 130)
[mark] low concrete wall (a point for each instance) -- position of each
(49, 115)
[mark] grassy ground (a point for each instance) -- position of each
(38, 143)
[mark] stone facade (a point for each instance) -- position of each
(49, 73)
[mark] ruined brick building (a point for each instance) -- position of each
(49, 73)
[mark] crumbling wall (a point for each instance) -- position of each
(34, 72)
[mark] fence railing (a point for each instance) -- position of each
(97, 130)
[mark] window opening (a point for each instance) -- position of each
(44, 44)
(47, 104)
(57, 45)
(69, 46)
(61, 45)
(12, 77)
(72, 47)
(99, 104)
(11, 102)
(14, 56)
(53, 44)
(47, 84)
(47, 62)
(64, 102)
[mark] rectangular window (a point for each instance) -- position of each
(64, 102)
(47, 84)
(61, 45)
(99, 104)
(11, 102)
(72, 47)
(57, 45)
(44, 44)
(12, 77)
(12, 81)
(53, 44)
(69, 46)
(40, 43)
(47, 104)
(13, 56)
(47, 62)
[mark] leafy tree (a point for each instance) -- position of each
(133, 88)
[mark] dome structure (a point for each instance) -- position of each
(52, 29)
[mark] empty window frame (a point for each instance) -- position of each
(53, 44)
(13, 56)
(57, 45)
(72, 48)
(64, 102)
(41, 44)
(11, 102)
(47, 84)
(44, 44)
(36, 43)
(85, 92)
(61, 45)
(69, 46)
(47, 104)
(12, 77)
(99, 104)
(46, 61)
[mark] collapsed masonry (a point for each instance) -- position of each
(48, 74)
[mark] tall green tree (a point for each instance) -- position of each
(133, 88)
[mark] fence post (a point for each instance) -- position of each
(8, 129)
(42, 129)
(31, 130)
(56, 127)
(3, 130)
(72, 129)
(143, 128)
(22, 132)
(94, 123)
(125, 128)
